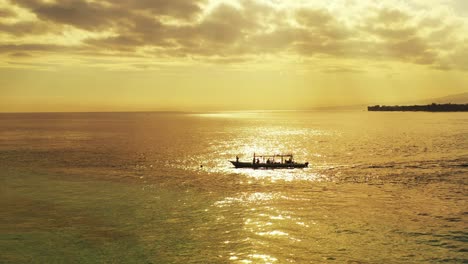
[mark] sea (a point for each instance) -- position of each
(158, 187)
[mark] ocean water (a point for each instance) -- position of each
(158, 188)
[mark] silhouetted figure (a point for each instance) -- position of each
(237, 158)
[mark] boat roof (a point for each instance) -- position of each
(273, 156)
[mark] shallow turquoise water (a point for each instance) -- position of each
(128, 188)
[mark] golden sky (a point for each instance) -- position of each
(126, 55)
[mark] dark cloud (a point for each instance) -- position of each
(313, 17)
(121, 43)
(77, 13)
(389, 24)
(322, 23)
(218, 33)
(413, 50)
(11, 48)
(31, 64)
(398, 38)
(185, 9)
(26, 28)
(389, 16)
(226, 24)
(319, 33)
(5, 12)
(104, 14)
(19, 55)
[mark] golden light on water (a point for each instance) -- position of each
(260, 221)
(265, 138)
(380, 187)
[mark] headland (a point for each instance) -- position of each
(426, 108)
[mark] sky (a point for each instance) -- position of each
(191, 55)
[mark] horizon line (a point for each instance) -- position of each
(184, 111)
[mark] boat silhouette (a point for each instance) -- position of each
(277, 161)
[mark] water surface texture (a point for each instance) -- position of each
(158, 188)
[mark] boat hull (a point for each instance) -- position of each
(239, 164)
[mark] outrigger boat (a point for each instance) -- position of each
(278, 161)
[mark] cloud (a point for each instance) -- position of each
(101, 14)
(77, 13)
(397, 37)
(390, 16)
(24, 28)
(28, 48)
(231, 33)
(6, 13)
(342, 69)
(19, 55)
(456, 59)
(185, 9)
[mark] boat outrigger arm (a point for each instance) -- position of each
(270, 161)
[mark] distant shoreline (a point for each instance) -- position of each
(421, 108)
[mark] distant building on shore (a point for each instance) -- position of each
(427, 108)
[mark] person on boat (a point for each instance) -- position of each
(237, 158)
(258, 161)
(268, 161)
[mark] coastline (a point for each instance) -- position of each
(421, 108)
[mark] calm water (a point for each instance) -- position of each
(129, 188)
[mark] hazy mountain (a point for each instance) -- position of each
(454, 99)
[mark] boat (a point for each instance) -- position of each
(277, 161)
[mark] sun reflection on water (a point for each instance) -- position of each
(287, 175)
(235, 114)
(263, 257)
(245, 133)
(262, 223)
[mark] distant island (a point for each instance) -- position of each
(427, 108)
